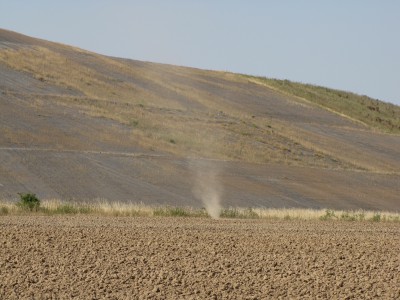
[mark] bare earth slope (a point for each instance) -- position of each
(78, 125)
(176, 258)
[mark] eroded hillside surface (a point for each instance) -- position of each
(78, 125)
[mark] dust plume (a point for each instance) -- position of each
(207, 187)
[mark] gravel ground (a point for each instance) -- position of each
(92, 257)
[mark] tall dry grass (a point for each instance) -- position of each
(106, 208)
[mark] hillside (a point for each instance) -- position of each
(79, 125)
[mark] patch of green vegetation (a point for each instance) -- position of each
(329, 215)
(235, 213)
(286, 217)
(230, 213)
(71, 209)
(372, 112)
(394, 219)
(28, 202)
(4, 211)
(347, 216)
(134, 123)
(376, 217)
(360, 216)
(170, 212)
(344, 215)
(130, 213)
(67, 209)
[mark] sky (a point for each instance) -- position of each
(352, 45)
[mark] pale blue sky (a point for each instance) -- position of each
(352, 45)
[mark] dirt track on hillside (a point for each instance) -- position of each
(175, 258)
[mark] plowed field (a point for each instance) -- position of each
(90, 257)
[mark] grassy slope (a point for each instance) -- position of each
(185, 111)
(376, 114)
(202, 126)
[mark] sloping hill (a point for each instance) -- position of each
(78, 125)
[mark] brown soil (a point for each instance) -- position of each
(89, 257)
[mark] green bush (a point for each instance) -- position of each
(376, 217)
(346, 216)
(3, 210)
(329, 215)
(66, 209)
(395, 219)
(170, 212)
(232, 213)
(29, 202)
(286, 217)
(361, 216)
